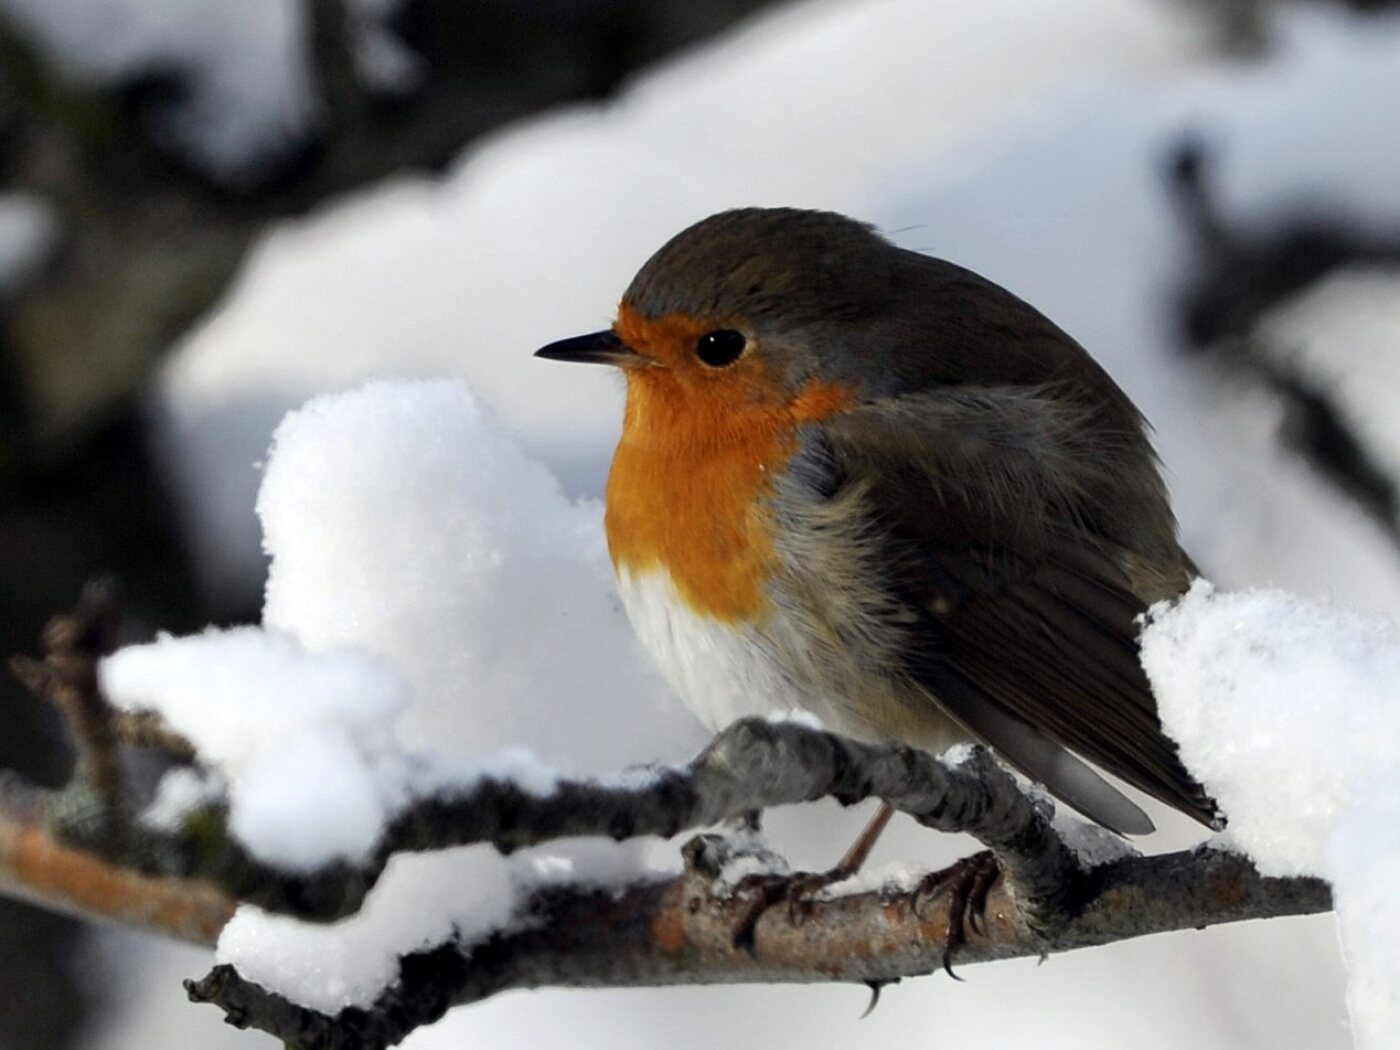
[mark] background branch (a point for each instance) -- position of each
(37, 867)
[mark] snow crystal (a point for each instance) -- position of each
(1289, 710)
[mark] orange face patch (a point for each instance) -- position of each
(699, 450)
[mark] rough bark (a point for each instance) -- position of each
(82, 850)
(680, 932)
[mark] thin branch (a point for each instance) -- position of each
(148, 730)
(681, 932)
(38, 868)
(67, 677)
(752, 765)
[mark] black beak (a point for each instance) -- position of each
(597, 348)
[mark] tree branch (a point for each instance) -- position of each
(82, 850)
(752, 765)
(681, 932)
(38, 868)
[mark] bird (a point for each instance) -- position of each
(866, 483)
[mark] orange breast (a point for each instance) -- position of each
(686, 493)
(696, 510)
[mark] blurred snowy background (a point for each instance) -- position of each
(213, 210)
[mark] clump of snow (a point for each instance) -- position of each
(402, 519)
(1362, 862)
(745, 854)
(420, 902)
(435, 606)
(280, 724)
(1289, 710)
(798, 717)
(436, 774)
(1282, 706)
(181, 790)
(894, 877)
(238, 693)
(958, 754)
(28, 231)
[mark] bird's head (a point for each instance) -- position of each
(749, 311)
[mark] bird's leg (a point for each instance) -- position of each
(797, 887)
(859, 852)
(968, 883)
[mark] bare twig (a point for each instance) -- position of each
(147, 729)
(67, 677)
(37, 867)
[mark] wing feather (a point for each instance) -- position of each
(1023, 569)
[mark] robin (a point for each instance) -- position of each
(872, 485)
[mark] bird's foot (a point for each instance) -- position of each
(768, 891)
(967, 883)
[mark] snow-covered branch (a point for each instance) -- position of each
(79, 850)
(681, 932)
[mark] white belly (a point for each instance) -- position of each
(720, 672)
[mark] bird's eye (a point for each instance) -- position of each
(721, 347)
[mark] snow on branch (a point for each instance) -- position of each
(681, 932)
(646, 930)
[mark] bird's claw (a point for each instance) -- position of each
(770, 890)
(968, 883)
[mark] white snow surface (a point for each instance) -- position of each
(432, 591)
(280, 724)
(1289, 711)
(403, 520)
(896, 112)
(406, 527)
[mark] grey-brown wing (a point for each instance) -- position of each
(1024, 567)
